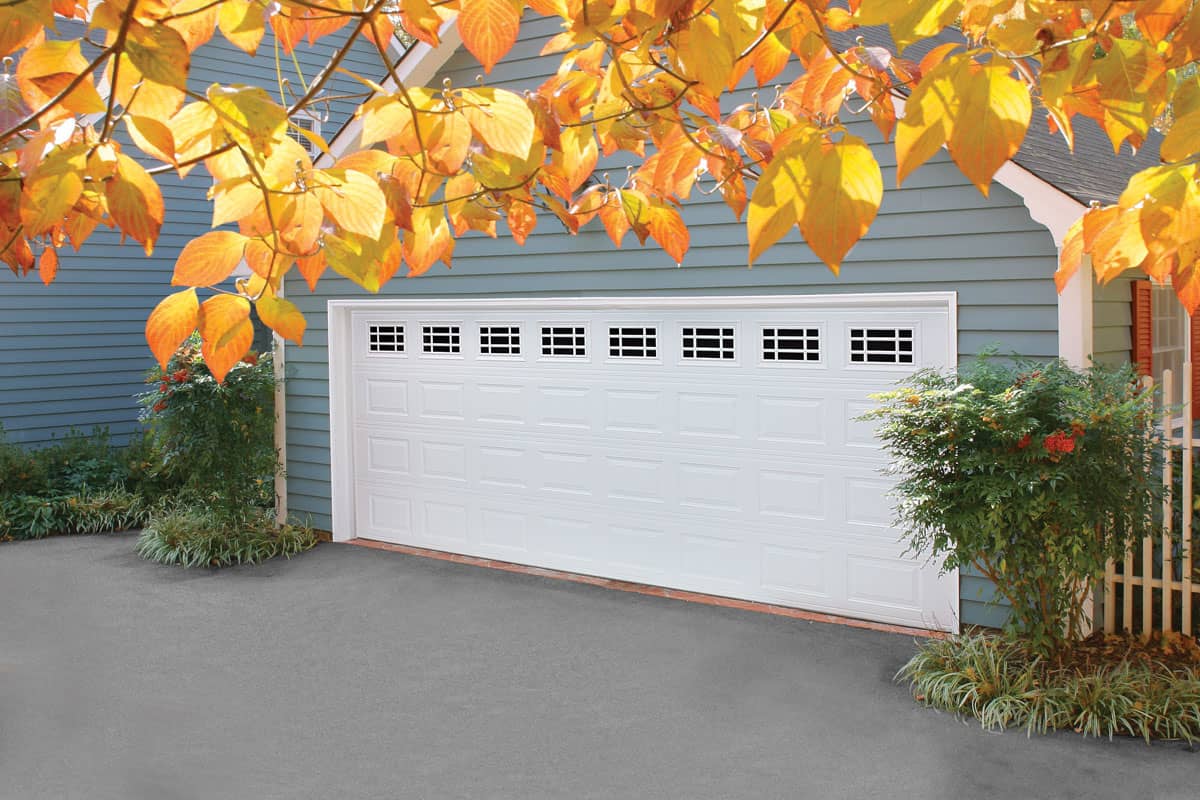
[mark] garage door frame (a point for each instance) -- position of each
(341, 315)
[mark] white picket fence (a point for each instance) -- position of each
(1161, 572)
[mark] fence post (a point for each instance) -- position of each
(1168, 574)
(1185, 528)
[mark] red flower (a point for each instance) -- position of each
(250, 358)
(1025, 440)
(164, 387)
(1059, 442)
(160, 406)
(180, 376)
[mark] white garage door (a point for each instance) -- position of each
(707, 444)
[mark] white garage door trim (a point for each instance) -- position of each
(344, 315)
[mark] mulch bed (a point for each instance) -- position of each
(1171, 651)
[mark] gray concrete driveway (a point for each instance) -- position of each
(350, 673)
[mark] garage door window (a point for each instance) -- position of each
(708, 343)
(385, 339)
(441, 339)
(791, 344)
(633, 342)
(500, 340)
(563, 340)
(881, 345)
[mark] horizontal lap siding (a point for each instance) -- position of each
(937, 233)
(72, 355)
(1111, 321)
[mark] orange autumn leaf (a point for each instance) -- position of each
(48, 265)
(172, 321)
(210, 259)
(225, 332)
(489, 29)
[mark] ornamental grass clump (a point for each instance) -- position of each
(1152, 692)
(1033, 474)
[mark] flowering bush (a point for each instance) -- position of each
(1033, 474)
(216, 440)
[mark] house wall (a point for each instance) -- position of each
(73, 354)
(937, 233)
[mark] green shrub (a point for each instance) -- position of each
(1034, 474)
(215, 441)
(1004, 684)
(192, 537)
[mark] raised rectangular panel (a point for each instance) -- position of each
(713, 558)
(883, 580)
(441, 400)
(445, 522)
(708, 414)
(574, 539)
(502, 404)
(867, 502)
(791, 494)
(709, 486)
(389, 515)
(387, 397)
(791, 420)
(644, 550)
(632, 411)
(860, 432)
(444, 460)
(503, 530)
(635, 479)
(564, 407)
(794, 569)
(388, 455)
(568, 473)
(502, 466)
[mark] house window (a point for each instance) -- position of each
(1169, 339)
(633, 342)
(441, 339)
(791, 344)
(563, 340)
(308, 122)
(881, 345)
(710, 343)
(500, 340)
(385, 339)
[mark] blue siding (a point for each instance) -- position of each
(72, 355)
(937, 233)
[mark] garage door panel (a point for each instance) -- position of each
(640, 460)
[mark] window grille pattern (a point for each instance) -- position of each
(385, 339)
(881, 345)
(500, 340)
(633, 342)
(563, 340)
(791, 344)
(710, 343)
(441, 339)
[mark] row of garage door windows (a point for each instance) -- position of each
(867, 345)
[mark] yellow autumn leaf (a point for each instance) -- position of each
(846, 190)
(281, 316)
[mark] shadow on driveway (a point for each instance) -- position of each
(350, 673)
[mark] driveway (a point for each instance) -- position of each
(351, 673)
